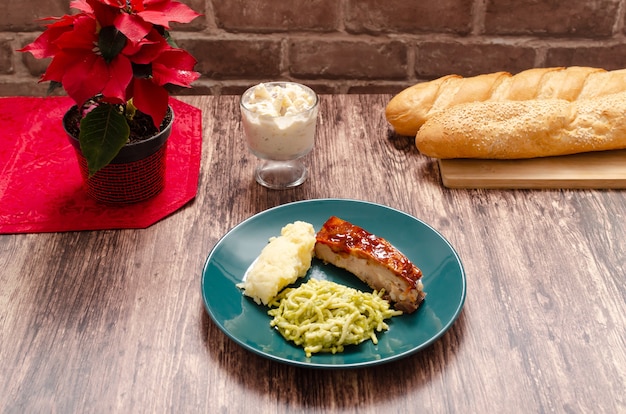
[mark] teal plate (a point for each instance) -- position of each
(248, 324)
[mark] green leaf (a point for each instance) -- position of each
(111, 42)
(53, 86)
(103, 133)
(169, 39)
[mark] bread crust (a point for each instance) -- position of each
(408, 110)
(525, 129)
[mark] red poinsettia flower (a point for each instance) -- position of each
(137, 17)
(115, 52)
(99, 51)
(170, 67)
(44, 46)
(83, 72)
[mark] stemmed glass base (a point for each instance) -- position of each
(280, 175)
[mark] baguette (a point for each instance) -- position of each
(407, 111)
(525, 129)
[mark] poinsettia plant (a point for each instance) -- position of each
(115, 59)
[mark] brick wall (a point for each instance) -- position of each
(352, 46)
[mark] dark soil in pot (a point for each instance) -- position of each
(141, 127)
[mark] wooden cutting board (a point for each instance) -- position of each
(601, 170)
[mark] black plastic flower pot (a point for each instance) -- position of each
(136, 174)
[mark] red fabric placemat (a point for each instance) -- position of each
(41, 189)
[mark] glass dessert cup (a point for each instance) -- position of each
(280, 175)
(279, 121)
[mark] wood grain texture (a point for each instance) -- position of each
(599, 170)
(113, 321)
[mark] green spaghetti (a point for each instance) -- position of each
(323, 316)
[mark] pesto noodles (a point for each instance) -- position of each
(323, 316)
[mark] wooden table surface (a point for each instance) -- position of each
(113, 321)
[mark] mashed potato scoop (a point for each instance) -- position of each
(281, 262)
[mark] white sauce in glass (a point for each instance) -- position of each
(279, 120)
